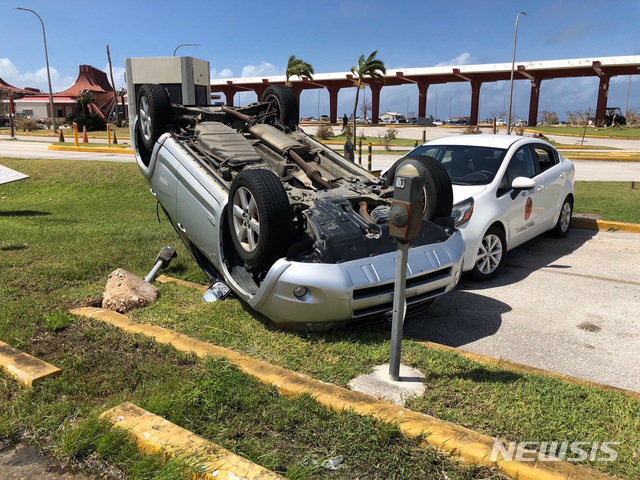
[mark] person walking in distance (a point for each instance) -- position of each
(345, 120)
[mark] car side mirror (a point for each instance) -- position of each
(523, 183)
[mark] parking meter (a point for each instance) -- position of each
(405, 223)
(405, 215)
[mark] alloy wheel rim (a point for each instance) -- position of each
(145, 118)
(566, 217)
(489, 254)
(246, 220)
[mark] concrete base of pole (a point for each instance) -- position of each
(379, 384)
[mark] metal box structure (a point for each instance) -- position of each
(187, 79)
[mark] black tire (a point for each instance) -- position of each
(495, 258)
(284, 101)
(154, 113)
(438, 189)
(564, 219)
(271, 211)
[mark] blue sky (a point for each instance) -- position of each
(257, 37)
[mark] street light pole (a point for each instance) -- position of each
(46, 55)
(185, 45)
(513, 66)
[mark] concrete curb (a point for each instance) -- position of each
(23, 367)
(600, 158)
(184, 283)
(126, 151)
(155, 434)
(469, 445)
(593, 224)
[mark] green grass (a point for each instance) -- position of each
(61, 233)
(397, 142)
(614, 201)
(618, 132)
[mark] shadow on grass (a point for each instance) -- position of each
(13, 248)
(485, 375)
(24, 213)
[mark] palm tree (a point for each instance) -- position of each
(371, 67)
(86, 98)
(297, 68)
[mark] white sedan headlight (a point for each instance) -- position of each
(462, 211)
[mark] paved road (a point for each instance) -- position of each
(570, 306)
(37, 149)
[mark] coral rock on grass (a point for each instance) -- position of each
(126, 291)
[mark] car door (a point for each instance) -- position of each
(552, 180)
(198, 213)
(521, 207)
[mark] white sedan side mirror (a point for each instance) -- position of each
(523, 183)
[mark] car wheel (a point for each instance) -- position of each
(259, 217)
(564, 220)
(283, 101)
(154, 109)
(491, 254)
(438, 193)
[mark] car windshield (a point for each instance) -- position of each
(466, 165)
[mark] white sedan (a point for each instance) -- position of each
(506, 190)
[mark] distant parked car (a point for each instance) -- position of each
(506, 190)
(324, 118)
(4, 121)
(500, 122)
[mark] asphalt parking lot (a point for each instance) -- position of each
(571, 306)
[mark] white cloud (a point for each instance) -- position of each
(38, 79)
(224, 73)
(118, 76)
(265, 69)
(462, 59)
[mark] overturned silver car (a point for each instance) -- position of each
(294, 229)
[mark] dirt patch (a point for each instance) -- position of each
(21, 461)
(589, 327)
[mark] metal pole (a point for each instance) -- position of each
(360, 152)
(626, 107)
(513, 66)
(46, 55)
(399, 307)
(11, 116)
(185, 45)
(370, 153)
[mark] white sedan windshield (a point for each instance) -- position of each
(466, 165)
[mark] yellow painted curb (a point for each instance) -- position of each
(594, 224)
(600, 158)
(55, 135)
(25, 368)
(127, 151)
(155, 434)
(471, 446)
(197, 286)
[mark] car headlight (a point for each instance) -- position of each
(462, 211)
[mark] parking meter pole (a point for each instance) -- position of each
(399, 307)
(154, 271)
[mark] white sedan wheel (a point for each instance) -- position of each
(489, 254)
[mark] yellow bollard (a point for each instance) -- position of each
(360, 152)
(415, 144)
(75, 134)
(109, 133)
(370, 154)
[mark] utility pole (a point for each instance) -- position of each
(113, 85)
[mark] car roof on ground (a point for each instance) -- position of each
(485, 140)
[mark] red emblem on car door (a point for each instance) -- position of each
(528, 208)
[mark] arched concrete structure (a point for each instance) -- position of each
(476, 75)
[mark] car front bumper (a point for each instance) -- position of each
(356, 291)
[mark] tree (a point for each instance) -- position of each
(547, 117)
(297, 68)
(575, 117)
(371, 67)
(86, 98)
